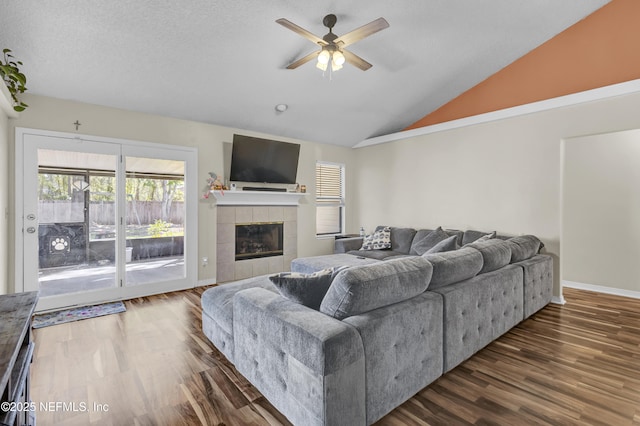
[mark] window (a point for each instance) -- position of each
(329, 198)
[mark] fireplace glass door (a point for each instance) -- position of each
(255, 240)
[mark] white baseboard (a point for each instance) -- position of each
(558, 300)
(602, 289)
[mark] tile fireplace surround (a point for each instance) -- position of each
(228, 269)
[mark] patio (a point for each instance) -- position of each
(78, 278)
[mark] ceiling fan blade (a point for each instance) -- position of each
(362, 32)
(356, 60)
(299, 30)
(311, 56)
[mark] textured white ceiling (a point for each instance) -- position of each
(223, 62)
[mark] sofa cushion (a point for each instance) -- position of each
(459, 234)
(448, 244)
(361, 289)
(486, 237)
(309, 265)
(379, 240)
(420, 234)
(426, 242)
(217, 302)
(375, 254)
(453, 266)
(495, 253)
(398, 256)
(401, 239)
(471, 236)
(523, 247)
(306, 289)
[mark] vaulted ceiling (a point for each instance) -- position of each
(224, 62)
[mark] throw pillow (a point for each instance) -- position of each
(524, 247)
(486, 237)
(379, 240)
(447, 244)
(430, 240)
(306, 289)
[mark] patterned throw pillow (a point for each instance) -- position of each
(379, 240)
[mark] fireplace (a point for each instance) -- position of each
(229, 266)
(261, 239)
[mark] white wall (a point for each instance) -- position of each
(503, 176)
(4, 202)
(601, 211)
(59, 115)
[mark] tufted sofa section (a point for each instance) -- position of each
(538, 273)
(217, 312)
(308, 365)
(479, 310)
(384, 330)
(403, 351)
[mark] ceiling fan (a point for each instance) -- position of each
(332, 54)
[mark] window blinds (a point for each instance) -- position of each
(329, 198)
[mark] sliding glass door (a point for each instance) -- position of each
(64, 225)
(103, 220)
(154, 219)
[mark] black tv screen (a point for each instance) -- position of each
(263, 160)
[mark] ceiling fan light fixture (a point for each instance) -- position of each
(331, 55)
(323, 57)
(338, 58)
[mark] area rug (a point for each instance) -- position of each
(75, 314)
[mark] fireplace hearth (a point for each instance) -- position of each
(260, 239)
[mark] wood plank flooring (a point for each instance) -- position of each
(152, 365)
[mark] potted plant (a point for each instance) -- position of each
(14, 80)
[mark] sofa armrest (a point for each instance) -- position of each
(344, 245)
(308, 365)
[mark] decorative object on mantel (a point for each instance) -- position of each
(214, 183)
(15, 81)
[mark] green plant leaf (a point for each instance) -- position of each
(21, 78)
(13, 78)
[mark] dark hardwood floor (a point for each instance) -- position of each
(152, 365)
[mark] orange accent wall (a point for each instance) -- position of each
(600, 50)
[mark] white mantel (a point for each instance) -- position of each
(257, 198)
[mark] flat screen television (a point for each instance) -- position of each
(263, 160)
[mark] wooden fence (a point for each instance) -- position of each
(104, 212)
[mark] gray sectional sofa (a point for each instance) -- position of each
(389, 325)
